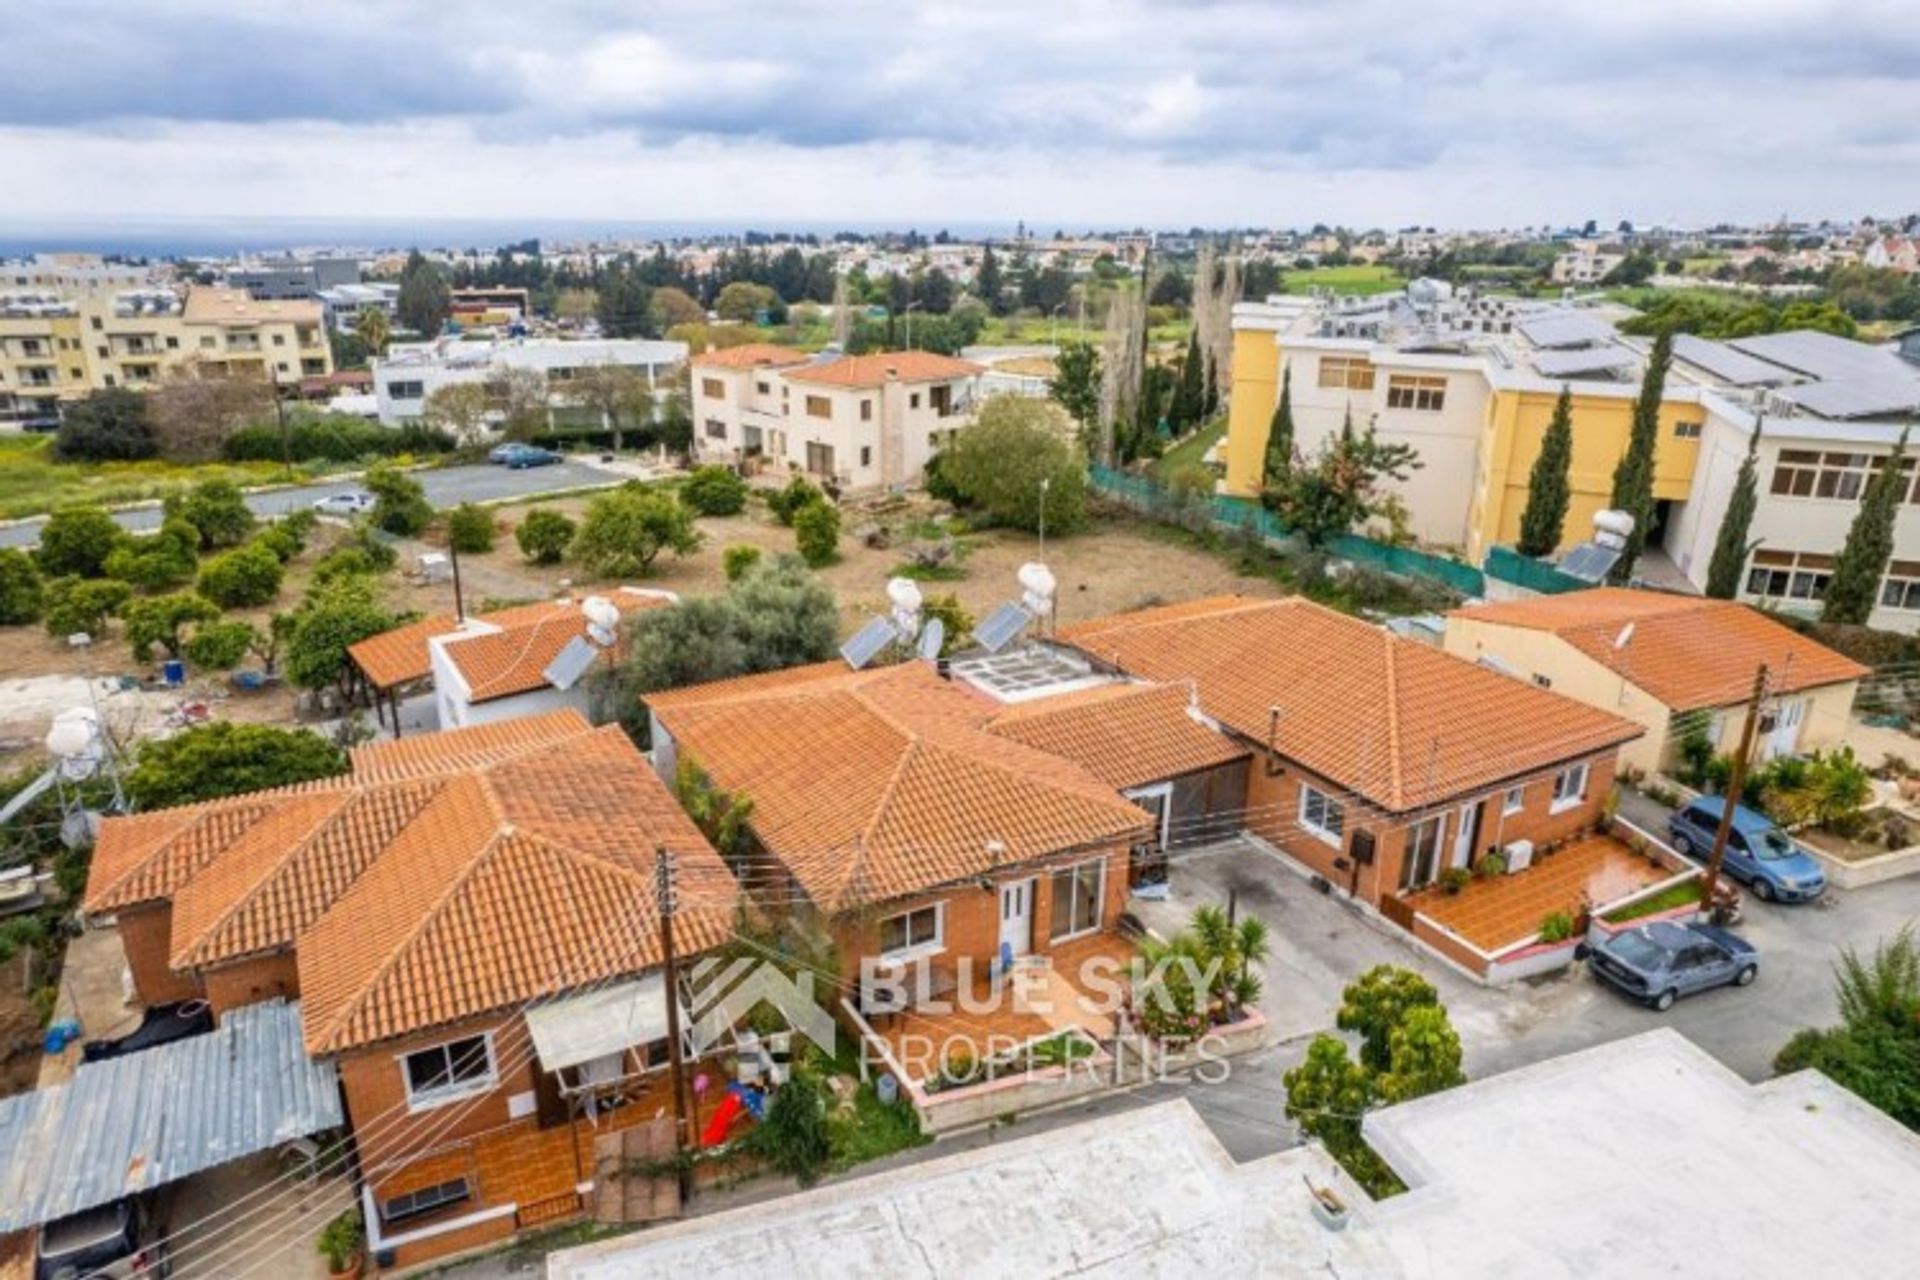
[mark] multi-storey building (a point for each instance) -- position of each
(75, 273)
(411, 372)
(860, 422)
(57, 348)
(1471, 384)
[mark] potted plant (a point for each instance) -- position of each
(340, 1244)
(1454, 879)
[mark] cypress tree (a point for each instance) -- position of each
(1856, 573)
(1633, 477)
(1730, 546)
(1189, 402)
(1279, 459)
(1547, 493)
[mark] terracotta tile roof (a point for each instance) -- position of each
(750, 355)
(439, 885)
(1401, 724)
(1687, 651)
(514, 659)
(875, 370)
(1126, 735)
(403, 654)
(871, 785)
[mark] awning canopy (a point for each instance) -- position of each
(135, 1122)
(581, 1028)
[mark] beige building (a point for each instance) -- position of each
(55, 348)
(862, 422)
(1673, 663)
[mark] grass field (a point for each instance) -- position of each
(1358, 278)
(1190, 451)
(32, 483)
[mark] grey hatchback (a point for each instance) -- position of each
(1658, 963)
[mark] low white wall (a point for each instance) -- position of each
(1854, 875)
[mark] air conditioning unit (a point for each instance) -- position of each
(1519, 855)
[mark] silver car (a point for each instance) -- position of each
(1658, 963)
(351, 503)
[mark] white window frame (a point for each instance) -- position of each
(426, 1100)
(1330, 807)
(1513, 801)
(1099, 899)
(1564, 797)
(936, 944)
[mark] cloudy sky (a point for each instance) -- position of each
(1063, 112)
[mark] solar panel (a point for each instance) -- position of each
(932, 636)
(571, 663)
(1558, 328)
(1001, 627)
(1590, 561)
(867, 643)
(1563, 364)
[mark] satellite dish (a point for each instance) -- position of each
(932, 638)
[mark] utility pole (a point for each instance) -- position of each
(280, 412)
(459, 600)
(667, 892)
(1735, 780)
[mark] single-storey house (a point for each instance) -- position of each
(1674, 664)
(423, 909)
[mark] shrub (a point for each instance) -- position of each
(627, 529)
(334, 615)
(401, 507)
(715, 491)
(470, 529)
(227, 758)
(83, 605)
(283, 545)
(221, 645)
(816, 533)
(23, 594)
(78, 541)
(217, 509)
(1490, 865)
(108, 426)
(998, 463)
(737, 559)
(160, 620)
(1557, 926)
(1454, 879)
(934, 480)
(243, 577)
(333, 438)
(159, 561)
(544, 536)
(787, 503)
(793, 1138)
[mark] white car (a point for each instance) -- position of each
(351, 503)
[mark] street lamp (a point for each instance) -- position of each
(908, 312)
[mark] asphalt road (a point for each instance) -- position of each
(445, 486)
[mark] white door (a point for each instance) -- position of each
(1784, 735)
(1016, 918)
(1466, 829)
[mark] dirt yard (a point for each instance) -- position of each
(1108, 569)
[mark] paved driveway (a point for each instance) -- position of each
(445, 486)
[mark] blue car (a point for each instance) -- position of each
(1658, 963)
(517, 456)
(1759, 854)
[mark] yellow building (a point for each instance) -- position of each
(1473, 408)
(56, 349)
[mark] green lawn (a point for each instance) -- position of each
(1190, 451)
(1679, 895)
(1357, 278)
(32, 483)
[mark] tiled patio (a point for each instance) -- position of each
(1499, 912)
(1039, 998)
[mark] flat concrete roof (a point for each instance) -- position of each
(1641, 1157)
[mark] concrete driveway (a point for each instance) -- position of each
(445, 487)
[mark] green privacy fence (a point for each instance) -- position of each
(1151, 498)
(1508, 565)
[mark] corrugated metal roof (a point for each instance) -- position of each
(1725, 363)
(1564, 329)
(1564, 364)
(129, 1124)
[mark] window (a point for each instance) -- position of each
(96, 321)
(1807, 473)
(913, 401)
(456, 1069)
(713, 388)
(406, 390)
(1426, 394)
(716, 429)
(1423, 851)
(763, 388)
(1077, 893)
(1686, 431)
(1345, 373)
(866, 411)
(1322, 815)
(1543, 680)
(1789, 575)
(1901, 589)
(279, 339)
(911, 931)
(819, 458)
(1569, 787)
(206, 342)
(866, 455)
(819, 407)
(1514, 802)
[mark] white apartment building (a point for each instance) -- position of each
(344, 304)
(411, 372)
(861, 422)
(69, 273)
(1585, 265)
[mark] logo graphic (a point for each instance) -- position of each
(724, 992)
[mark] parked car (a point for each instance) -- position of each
(1658, 963)
(351, 503)
(517, 456)
(118, 1240)
(501, 452)
(1759, 853)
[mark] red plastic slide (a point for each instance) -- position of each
(716, 1131)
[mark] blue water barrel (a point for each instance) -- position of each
(175, 672)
